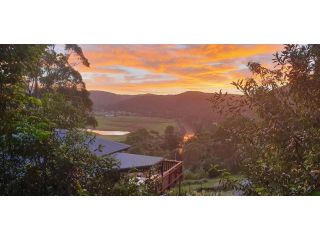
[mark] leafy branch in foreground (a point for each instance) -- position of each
(40, 91)
(280, 150)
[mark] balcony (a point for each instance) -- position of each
(171, 175)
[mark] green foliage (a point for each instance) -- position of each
(171, 138)
(205, 187)
(75, 170)
(151, 143)
(212, 146)
(145, 142)
(214, 171)
(280, 148)
(195, 175)
(62, 112)
(55, 73)
(39, 92)
(132, 186)
(58, 166)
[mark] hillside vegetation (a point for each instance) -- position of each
(192, 108)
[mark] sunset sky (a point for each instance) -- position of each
(170, 69)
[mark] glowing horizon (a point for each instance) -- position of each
(170, 69)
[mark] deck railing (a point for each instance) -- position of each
(171, 174)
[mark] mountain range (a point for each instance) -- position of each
(191, 106)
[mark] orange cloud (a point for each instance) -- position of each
(167, 69)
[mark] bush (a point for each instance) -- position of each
(195, 175)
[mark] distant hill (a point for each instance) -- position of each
(102, 99)
(190, 107)
(180, 105)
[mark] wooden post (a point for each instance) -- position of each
(179, 187)
(162, 166)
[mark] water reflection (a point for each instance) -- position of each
(108, 133)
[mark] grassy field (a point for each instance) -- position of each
(194, 187)
(132, 123)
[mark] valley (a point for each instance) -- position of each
(131, 124)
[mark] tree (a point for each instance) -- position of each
(215, 145)
(152, 143)
(63, 165)
(171, 138)
(145, 142)
(55, 73)
(34, 160)
(280, 149)
(61, 111)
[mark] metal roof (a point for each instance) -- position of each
(108, 147)
(127, 160)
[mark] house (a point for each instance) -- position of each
(166, 173)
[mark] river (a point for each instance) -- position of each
(108, 133)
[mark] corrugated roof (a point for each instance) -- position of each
(127, 160)
(108, 147)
